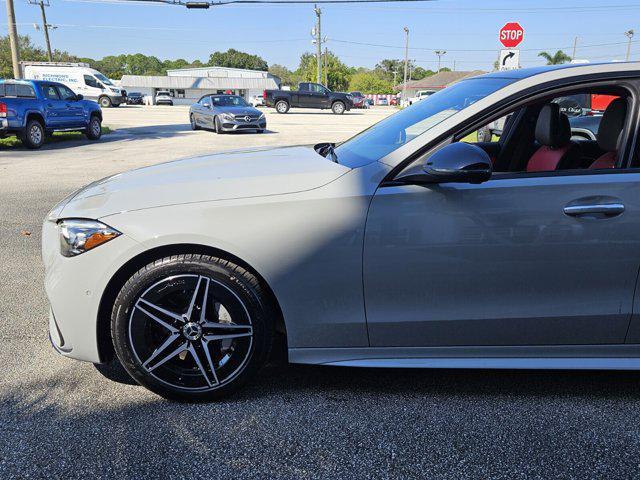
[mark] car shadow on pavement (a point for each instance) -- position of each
(281, 378)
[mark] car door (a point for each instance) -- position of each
(517, 260)
(54, 107)
(73, 113)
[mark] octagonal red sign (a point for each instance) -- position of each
(511, 35)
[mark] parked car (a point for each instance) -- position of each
(585, 127)
(358, 99)
(257, 101)
(135, 98)
(226, 113)
(393, 101)
(164, 98)
(32, 110)
(308, 95)
(403, 246)
(383, 101)
(368, 102)
(421, 95)
(80, 78)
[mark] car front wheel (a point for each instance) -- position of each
(338, 108)
(192, 327)
(94, 129)
(105, 102)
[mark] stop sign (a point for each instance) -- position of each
(511, 35)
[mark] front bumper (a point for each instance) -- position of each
(75, 287)
(118, 100)
(239, 124)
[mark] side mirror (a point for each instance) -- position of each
(79, 97)
(456, 163)
(206, 105)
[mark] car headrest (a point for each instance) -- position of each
(611, 125)
(552, 127)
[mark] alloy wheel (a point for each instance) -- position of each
(35, 134)
(191, 332)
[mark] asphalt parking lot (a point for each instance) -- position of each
(62, 418)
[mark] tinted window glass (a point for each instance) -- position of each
(228, 101)
(65, 93)
(90, 81)
(50, 92)
(25, 91)
(10, 89)
(391, 133)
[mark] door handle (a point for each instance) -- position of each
(602, 210)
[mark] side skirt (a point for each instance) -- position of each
(570, 357)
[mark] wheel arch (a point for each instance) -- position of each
(105, 342)
(34, 115)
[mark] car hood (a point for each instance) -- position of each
(221, 176)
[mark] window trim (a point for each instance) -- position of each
(630, 82)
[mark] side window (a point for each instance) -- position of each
(11, 90)
(50, 92)
(315, 88)
(65, 93)
(304, 87)
(25, 91)
(204, 100)
(490, 132)
(91, 81)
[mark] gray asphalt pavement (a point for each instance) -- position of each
(65, 419)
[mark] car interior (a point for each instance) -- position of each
(537, 137)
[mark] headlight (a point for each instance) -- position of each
(228, 117)
(261, 116)
(78, 236)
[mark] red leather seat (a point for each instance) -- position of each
(553, 132)
(610, 132)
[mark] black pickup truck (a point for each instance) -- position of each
(308, 95)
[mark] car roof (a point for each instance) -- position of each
(522, 73)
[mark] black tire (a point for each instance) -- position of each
(105, 102)
(218, 126)
(94, 129)
(34, 135)
(338, 107)
(282, 106)
(194, 125)
(225, 283)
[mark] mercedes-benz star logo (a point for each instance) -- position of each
(192, 331)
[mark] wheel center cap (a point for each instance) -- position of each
(192, 331)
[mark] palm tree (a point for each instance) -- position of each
(558, 58)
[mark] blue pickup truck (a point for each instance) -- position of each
(32, 109)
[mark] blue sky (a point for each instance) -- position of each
(467, 30)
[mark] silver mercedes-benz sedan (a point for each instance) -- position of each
(226, 113)
(410, 245)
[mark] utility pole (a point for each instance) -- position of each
(326, 68)
(45, 25)
(318, 45)
(13, 39)
(629, 34)
(575, 45)
(406, 65)
(454, 65)
(440, 53)
(395, 74)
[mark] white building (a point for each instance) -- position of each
(187, 85)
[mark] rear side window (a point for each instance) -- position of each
(25, 91)
(16, 90)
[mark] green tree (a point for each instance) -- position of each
(370, 82)
(235, 59)
(287, 77)
(556, 59)
(419, 73)
(338, 73)
(28, 52)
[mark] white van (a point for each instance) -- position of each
(80, 78)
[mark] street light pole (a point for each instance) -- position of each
(440, 53)
(575, 46)
(13, 39)
(406, 65)
(318, 46)
(629, 34)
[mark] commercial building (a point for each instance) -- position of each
(437, 82)
(187, 85)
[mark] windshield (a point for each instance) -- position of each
(391, 133)
(228, 101)
(102, 78)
